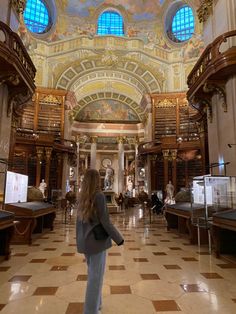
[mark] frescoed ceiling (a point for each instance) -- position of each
(138, 9)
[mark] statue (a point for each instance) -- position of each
(169, 193)
(109, 178)
(42, 187)
(130, 186)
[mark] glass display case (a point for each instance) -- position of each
(215, 194)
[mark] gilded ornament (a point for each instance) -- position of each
(19, 5)
(204, 10)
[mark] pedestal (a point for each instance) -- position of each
(113, 208)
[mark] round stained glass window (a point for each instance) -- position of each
(182, 27)
(36, 16)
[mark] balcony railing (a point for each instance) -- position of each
(217, 62)
(14, 57)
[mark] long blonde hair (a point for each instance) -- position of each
(90, 186)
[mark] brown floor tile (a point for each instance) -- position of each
(157, 234)
(114, 254)
(165, 305)
(45, 291)
(134, 249)
(159, 253)
(4, 268)
(172, 267)
(120, 289)
(234, 300)
(72, 244)
(129, 241)
(189, 259)
(20, 254)
(175, 248)
(149, 276)
(82, 277)
(192, 288)
(59, 268)
(19, 278)
(140, 259)
(211, 275)
(44, 238)
(75, 308)
(38, 260)
(227, 266)
(35, 244)
(2, 306)
(116, 267)
(49, 249)
(68, 254)
(150, 244)
(164, 240)
(57, 241)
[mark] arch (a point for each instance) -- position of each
(132, 72)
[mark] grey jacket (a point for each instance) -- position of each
(86, 243)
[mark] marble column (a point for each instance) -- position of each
(148, 175)
(65, 173)
(48, 153)
(136, 164)
(165, 153)
(77, 171)
(59, 170)
(39, 152)
(120, 164)
(174, 167)
(93, 152)
(5, 134)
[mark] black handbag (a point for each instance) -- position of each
(99, 232)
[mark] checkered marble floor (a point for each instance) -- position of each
(154, 272)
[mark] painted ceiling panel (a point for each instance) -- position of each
(107, 110)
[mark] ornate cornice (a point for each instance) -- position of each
(204, 10)
(18, 5)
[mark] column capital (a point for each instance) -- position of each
(165, 153)
(48, 151)
(93, 139)
(39, 152)
(173, 153)
(121, 139)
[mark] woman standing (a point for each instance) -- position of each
(93, 216)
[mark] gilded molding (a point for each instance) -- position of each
(216, 89)
(18, 5)
(165, 103)
(204, 10)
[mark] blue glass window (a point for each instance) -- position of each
(110, 23)
(183, 24)
(36, 16)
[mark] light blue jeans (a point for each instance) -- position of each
(96, 267)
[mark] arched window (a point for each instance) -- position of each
(110, 23)
(182, 27)
(36, 16)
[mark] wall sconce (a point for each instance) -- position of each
(230, 145)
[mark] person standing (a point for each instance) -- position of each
(92, 212)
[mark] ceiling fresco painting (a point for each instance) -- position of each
(140, 10)
(107, 110)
